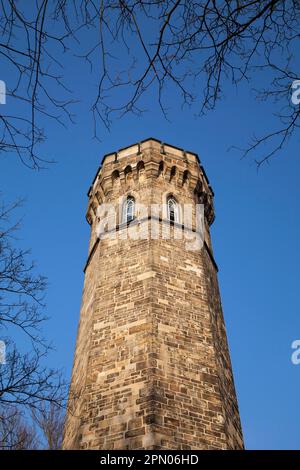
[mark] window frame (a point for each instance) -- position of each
(171, 200)
(129, 209)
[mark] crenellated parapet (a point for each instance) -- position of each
(151, 163)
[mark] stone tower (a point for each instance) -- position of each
(151, 368)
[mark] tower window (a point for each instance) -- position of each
(128, 213)
(172, 207)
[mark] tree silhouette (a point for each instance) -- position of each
(26, 384)
(138, 45)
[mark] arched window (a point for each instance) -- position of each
(128, 212)
(172, 207)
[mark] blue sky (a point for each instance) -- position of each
(255, 236)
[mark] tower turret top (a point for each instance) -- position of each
(151, 143)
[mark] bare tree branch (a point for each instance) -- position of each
(15, 432)
(50, 420)
(137, 45)
(26, 383)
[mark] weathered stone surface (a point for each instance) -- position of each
(151, 367)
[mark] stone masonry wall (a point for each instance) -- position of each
(151, 368)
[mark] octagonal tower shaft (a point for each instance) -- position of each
(152, 367)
